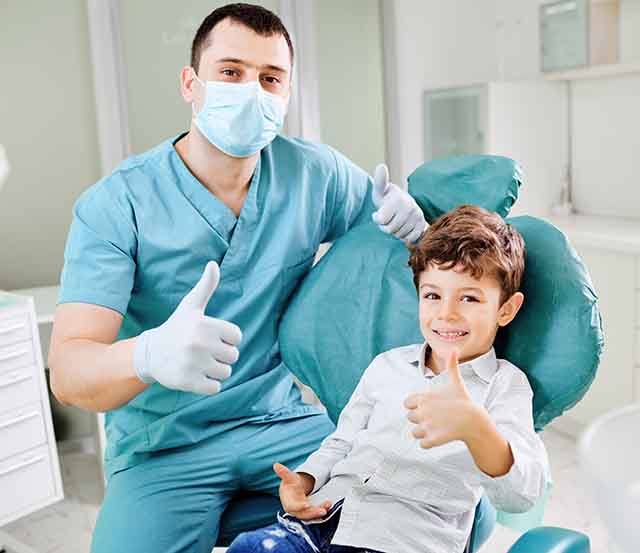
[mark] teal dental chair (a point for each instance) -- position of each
(359, 300)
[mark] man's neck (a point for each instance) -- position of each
(226, 177)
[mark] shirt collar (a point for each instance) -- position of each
(485, 365)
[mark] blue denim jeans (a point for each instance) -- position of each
(291, 535)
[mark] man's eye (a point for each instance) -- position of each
(271, 80)
(229, 72)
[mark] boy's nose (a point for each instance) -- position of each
(448, 310)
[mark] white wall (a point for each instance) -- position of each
(606, 146)
(629, 31)
(466, 42)
(48, 125)
(349, 47)
(528, 122)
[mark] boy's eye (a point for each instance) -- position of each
(469, 299)
(229, 72)
(271, 80)
(430, 296)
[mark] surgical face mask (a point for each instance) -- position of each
(239, 118)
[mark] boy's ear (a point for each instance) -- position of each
(510, 308)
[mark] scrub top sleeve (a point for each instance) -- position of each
(349, 201)
(99, 257)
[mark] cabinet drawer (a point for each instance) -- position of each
(25, 480)
(18, 388)
(21, 429)
(637, 308)
(638, 272)
(637, 347)
(16, 356)
(15, 328)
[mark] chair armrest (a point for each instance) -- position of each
(546, 539)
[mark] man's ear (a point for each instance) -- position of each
(510, 308)
(187, 84)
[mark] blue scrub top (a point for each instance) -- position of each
(139, 241)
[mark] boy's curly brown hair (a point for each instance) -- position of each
(478, 241)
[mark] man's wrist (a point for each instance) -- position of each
(140, 357)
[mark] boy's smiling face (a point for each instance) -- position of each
(458, 311)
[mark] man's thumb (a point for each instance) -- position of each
(201, 293)
(380, 183)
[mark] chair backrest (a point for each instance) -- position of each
(359, 300)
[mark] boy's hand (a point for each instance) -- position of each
(444, 414)
(294, 489)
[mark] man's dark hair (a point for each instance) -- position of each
(260, 20)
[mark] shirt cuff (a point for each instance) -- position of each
(318, 471)
(518, 490)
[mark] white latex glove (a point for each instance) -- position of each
(398, 213)
(190, 351)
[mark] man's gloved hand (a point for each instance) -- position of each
(190, 351)
(398, 213)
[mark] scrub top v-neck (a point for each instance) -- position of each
(139, 241)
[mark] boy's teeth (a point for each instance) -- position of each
(450, 334)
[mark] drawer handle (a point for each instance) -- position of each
(8, 329)
(22, 465)
(13, 354)
(20, 419)
(15, 380)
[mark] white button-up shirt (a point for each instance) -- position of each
(401, 498)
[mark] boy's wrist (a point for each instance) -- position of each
(308, 482)
(478, 423)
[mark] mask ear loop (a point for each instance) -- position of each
(204, 86)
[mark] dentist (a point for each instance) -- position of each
(177, 269)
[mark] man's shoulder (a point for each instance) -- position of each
(129, 173)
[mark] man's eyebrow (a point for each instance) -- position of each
(247, 64)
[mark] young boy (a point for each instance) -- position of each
(430, 427)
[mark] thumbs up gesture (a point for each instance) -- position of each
(190, 351)
(443, 414)
(398, 213)
(294, 489)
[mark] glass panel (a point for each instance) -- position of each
(453, 123)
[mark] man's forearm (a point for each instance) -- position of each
(490, 451)
(94, 376)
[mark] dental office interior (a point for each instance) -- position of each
(553, 85)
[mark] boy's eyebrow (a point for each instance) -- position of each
(466, 288)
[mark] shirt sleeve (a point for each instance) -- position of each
(335, 447)
(99, 258)
(350, 201)
(512, 412)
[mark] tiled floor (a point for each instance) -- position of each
(66, 527)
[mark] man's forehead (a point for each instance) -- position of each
(233, 40)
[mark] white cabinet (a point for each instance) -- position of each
(610, 249)
(29, 468)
